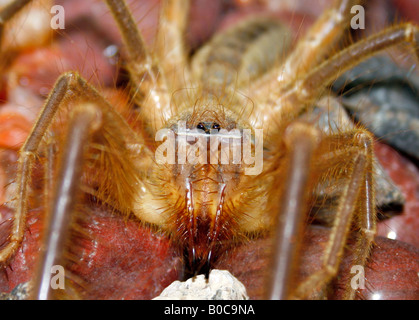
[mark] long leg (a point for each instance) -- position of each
(358, 193)
(357, 198)
(318, 41)
(314, 46)
(85, 120)
(170, 44)
(69, 87)
(147, 77)
(304, 91)
(301, 139)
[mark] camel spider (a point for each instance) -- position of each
(208, 207)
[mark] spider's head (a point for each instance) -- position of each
(200, 182)
(211, 177)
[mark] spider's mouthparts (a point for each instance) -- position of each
(195, 265)
(203, 222)
(202, 246)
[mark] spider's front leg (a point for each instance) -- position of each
(301, 141)
(352, 155)
(171, 50)
(85, 121)
(113, 155)
(344, 157)
(154, 75)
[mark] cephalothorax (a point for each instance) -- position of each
(232, 90)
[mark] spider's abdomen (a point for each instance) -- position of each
(240, 54)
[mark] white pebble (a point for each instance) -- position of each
(221, 285)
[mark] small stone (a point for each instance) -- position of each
(384, 97)
(220, 285)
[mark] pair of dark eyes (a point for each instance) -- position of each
(201, 126)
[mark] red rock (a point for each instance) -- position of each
(117, 260)
(408, 9)
(39, 69)
(14, 129)
(122, 260)
(390, 274)
(404, 227)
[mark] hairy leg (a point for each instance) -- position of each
(171, 50)
(301, 141)
(307, 89)
(70, 87)
(148, 79)
(85, 120)
(319, 40)
(355, 207)
(312, 48)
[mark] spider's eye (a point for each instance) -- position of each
(200, 126)
(216, 126)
